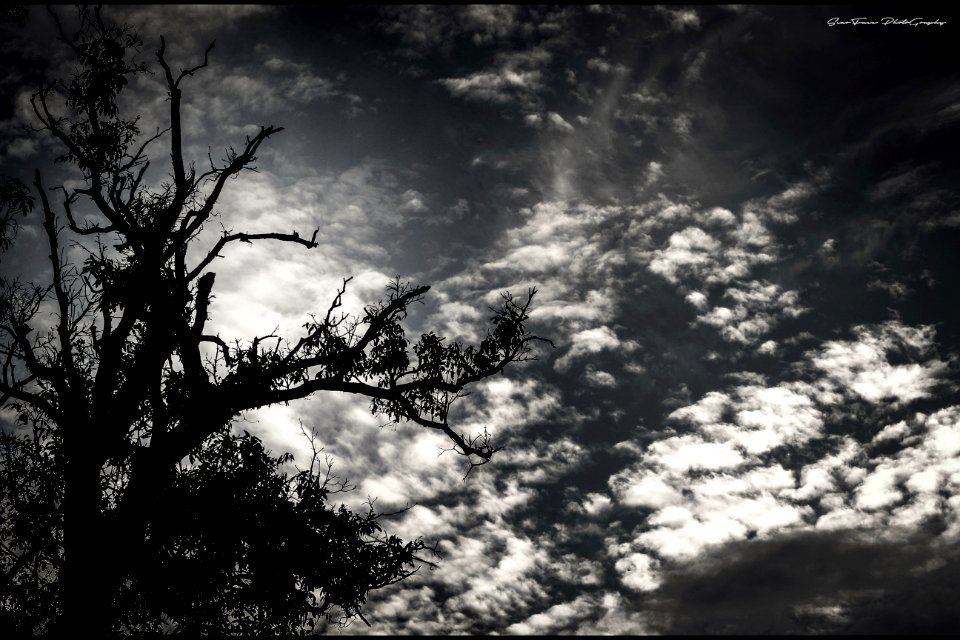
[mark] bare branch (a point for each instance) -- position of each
(176, 143)
(63, 298)
(223, 347)
(192, 222)
(189, 72)
(90, 229)
(249, 238)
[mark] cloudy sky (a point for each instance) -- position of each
(743, 225)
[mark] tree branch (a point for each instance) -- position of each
(192, 222)
(176, 143)
(223, 347)
(204, 287)
(63, 299)
(249, 238)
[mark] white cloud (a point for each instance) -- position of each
(599, 379)
(619, 617)
(714, 485)
(654, 173)
(551, 121)
(687, 251)
(516, 78)
(769, 348)
(683, 453)
(722, 249)
(862, 366)
(757, 307)
(716, 216)
(557, 617)
(698, 299)
(678, 535)
(557, 123)
(488, 23)
(768, 417)
(602, 65)
(508, 404)
(638, 571)
(648, 489)
(590, 341)
(680, 19)
(596, 503)
(412, 201)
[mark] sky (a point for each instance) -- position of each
(741, 222)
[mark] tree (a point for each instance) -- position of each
(128, 502)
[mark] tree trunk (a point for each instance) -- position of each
(88, 590)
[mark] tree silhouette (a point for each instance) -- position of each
(128, 503)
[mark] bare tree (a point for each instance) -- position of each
(126, 401)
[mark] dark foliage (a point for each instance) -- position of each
(244, 548)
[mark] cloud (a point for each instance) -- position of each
(687, 252)
(551, 121)
(488, 23)
(760, 418)
(490, 574)
(716, 248)
(412, 202)
(277, 85)
(572, 254)
(951, 221)
(695, 67)
(557, 123)
(645, 488)
(756, 308)
(682, 125)
(862, 365)
(509, 404)
(724, 254)
(638, 572)
(516, 78)
(591, 341)
(599, 379)
(720, 482)
(686, 453)
(192, 24)
(654, 173)
(556, 618)
(266, 285)
(604, 66)
(419, 27)
(21, 148)
(897, 290)
(618, 616)
(424, 28)
(898, 184)
(680, 19)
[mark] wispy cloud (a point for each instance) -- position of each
(516, 78)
